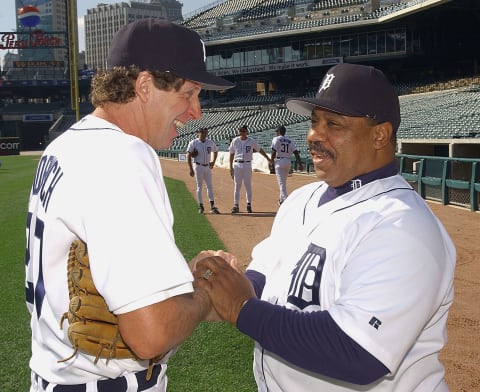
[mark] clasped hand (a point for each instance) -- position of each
(217, 273)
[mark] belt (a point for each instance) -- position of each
(282, 157)
(112, 385)
(201, 164)
(239, 161)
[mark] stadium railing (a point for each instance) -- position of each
(450, 181)
(454, 181)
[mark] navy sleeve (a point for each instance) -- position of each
(258, 281)
(310, 340)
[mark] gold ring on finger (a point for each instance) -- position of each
(208, 273)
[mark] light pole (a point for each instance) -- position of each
(72, 27)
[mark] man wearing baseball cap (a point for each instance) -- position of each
(106, 189)
(357, 299)
(202, 153)
(282, 149)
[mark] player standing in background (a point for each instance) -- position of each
(201, 150)
(241, 151)
(282, 150)
(114, 199)
(359, 299)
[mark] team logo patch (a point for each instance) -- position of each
(327, 81)
(355, 184)
(305, 286)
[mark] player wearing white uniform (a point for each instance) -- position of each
(358, 298)
(282, 149)
(241, 151)
(101, 182)
(204, 152)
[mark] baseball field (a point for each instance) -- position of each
(216, 357)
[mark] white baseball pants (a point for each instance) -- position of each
(203, 174)
(242, 173)
(282, 168)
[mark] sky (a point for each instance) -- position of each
(8, 14)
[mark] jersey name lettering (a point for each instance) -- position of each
(48, 174)
(305, 286)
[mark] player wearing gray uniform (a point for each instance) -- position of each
(359, 299)
(241, 154)
(204, 153)
(282, 150)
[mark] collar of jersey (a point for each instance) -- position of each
(355, 183)
(92, 122)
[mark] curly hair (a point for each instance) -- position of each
(118, 85)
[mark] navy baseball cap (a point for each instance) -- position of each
(353, 90)
(160, 45)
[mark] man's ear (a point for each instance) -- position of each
(143, 85)
(382, 135)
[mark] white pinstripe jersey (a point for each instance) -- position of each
(205, 150)
(283, 146)
(100, 185)
(243, 149)
(380, 262)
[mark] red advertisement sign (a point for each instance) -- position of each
(34, 39)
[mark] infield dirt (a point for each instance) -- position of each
(240, 232)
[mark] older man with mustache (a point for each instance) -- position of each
(351, 290)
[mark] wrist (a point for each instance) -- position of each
(203, 302)
(242, 306)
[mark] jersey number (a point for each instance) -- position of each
(34, 292)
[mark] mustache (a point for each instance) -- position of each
(317, 148)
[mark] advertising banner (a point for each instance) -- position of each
(9, 146)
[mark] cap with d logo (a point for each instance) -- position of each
(353, 90)
(160, 45)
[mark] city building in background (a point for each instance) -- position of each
(46, 55)
(102, 22)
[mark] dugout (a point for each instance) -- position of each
(453, 148)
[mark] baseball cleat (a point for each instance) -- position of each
(249, 208)
(201, 210)
(214, 210)
(235, 210)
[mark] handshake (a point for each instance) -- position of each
(220, 285)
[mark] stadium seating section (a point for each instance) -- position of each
(438, 110)
(429, 111)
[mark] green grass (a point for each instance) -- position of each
(16, 174)
(215, 358)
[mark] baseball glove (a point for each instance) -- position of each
(92, 329)
(271, 166)
(194, 153)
